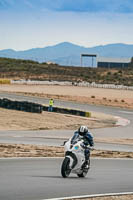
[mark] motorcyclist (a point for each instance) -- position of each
(87, 137)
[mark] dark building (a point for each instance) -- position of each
(113, 62)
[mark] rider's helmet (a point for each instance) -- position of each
(83, 130)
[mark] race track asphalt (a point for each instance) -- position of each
(45, 138)
(40, 178)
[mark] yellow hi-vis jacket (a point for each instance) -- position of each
(51, 102)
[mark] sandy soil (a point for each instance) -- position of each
(18, 120)
(24, 150)
(121, 98)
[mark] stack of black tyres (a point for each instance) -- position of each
(21, 105)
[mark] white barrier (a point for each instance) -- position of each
(107, 86)
(30, 82)
(82, 84)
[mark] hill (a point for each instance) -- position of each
(68, 54)
(27, 69)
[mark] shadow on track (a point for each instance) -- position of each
(60, 177)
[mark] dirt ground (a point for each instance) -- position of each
(99, 96)
(18, 120)
(26, 150)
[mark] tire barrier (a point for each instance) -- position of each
(87, 114)
(21, 105)
(68, 111)
(5, 81)
(38, 108)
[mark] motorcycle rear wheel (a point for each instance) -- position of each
(65, 169)
(83, 174)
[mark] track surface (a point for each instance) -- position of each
(45, 138)
(36, 179)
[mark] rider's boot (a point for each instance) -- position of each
(86, 164)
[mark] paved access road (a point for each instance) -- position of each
(40, 178)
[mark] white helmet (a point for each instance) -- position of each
(83, 130)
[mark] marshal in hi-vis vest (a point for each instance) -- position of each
(51, 102)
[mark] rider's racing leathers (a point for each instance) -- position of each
(88, 140)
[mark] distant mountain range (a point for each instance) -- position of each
(69, 54)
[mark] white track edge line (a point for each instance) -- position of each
(92, 195)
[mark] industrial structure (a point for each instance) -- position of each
(88, 55)
(113, 62)
(106, 62)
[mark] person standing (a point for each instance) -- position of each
(51, 103)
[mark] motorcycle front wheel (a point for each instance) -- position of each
(65, 169)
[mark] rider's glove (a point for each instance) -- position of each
(83, 145)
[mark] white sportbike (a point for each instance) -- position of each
(74, 161)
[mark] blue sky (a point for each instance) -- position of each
(26, 24)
